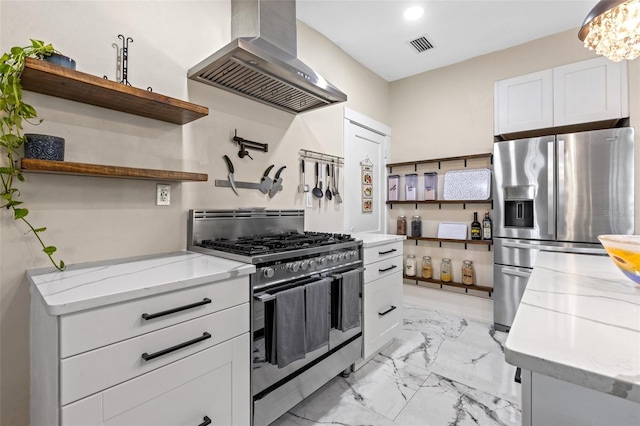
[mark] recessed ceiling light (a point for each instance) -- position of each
(413, 13)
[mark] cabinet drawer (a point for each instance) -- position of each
(212, 383)
(381, 320)
(114, 323)
(377, 270)
(93, 371)
(386, 251)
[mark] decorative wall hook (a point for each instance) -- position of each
(125, 58)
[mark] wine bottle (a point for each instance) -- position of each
(476, 231)
(487, 231)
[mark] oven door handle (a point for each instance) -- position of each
(270, 294)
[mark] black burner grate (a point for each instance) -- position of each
(266, 244)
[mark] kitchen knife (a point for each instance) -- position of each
(266, 182)
(277, 182)
(231, 180)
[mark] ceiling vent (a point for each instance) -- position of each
(421, 44)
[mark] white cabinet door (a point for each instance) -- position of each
(592, 90)
(524, 102)
(382, 312)
(210, 387)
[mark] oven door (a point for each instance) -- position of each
(266, 374)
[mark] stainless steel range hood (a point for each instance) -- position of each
(261, 62)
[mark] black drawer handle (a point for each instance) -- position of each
(148, 357)
(205, 421)
(392, 308)
(204, 301)
(386, 252)
(387, 269)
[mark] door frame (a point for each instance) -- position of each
(352, 117)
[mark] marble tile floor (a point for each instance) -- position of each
(443, 371)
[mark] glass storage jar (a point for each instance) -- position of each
(427, 267)
(416, 226)
(401, 225)
(468, 274)
(446, 274)
(410, 266)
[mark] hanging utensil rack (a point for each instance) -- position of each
(319, 156)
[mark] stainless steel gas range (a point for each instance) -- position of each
(306, 300)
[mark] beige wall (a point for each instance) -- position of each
(96, 218)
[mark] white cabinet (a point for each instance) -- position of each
(382, 296)
(175, 358)
(582, 92)
(587, 91)
(549, 401)
(524, 102)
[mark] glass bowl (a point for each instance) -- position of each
(624, 250)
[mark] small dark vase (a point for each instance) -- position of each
(44, 147)
(63, 61)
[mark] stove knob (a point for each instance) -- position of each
(354, 254)
(341, 256)
(312, 264)
(347, 255)
(293, 267)
(334, 258)
(268, 272)
(304, 265)
(321, 261)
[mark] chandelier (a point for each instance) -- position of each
(612, 29)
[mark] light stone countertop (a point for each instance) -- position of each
(373, 240)
(86, 286)
(579, 321)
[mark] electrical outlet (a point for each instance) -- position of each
(309, 200)
(163, 194)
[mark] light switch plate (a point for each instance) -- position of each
(309, 200)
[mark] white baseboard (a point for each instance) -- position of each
(463, 305)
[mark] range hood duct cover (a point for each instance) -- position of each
(261, 62)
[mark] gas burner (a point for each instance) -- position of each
(275, 243)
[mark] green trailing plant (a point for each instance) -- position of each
(14, 112)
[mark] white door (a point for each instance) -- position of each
(365, 139)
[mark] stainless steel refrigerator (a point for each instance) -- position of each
(556, 193)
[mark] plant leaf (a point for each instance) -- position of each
(20, 213)
(49, 250)
(39, 229)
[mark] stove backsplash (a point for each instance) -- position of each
(233, 224)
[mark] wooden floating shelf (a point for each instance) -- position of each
(440, 202)
(440, 160)
(82, 169)
(451, 284)
(450, 240)
(43, 77)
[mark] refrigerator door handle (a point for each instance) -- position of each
(559, 249)
(551, 201)
(515, 272)
(560, 219)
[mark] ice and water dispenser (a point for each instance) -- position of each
(518, 206)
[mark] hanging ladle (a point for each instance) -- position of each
(317, 192)
(328, 191)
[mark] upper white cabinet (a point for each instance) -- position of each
(583, 92)
(524, 102)
(590, 90)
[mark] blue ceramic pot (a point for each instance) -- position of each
(63, 61)
(44, 147)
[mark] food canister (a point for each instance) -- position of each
(427, 267)
(411, 186)
(446, 274)
(431, 186)
(401, 225)
(393, 188)
(416, 226)
(410, 266)
(468, 274)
